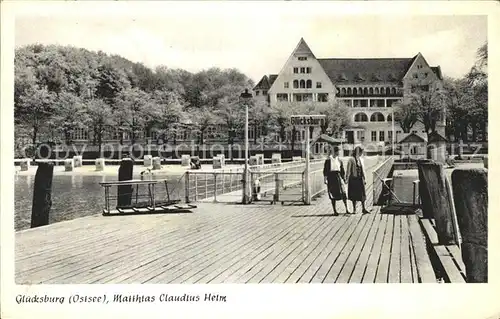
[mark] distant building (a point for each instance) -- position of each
(369, 86)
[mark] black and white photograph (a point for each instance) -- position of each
(260, 147)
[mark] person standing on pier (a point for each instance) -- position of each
(356, 180)
(334, 174)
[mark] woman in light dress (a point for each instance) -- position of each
(356, 180)
(334, 174)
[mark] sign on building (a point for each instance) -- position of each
(308, 120)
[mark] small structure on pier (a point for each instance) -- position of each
(413, 146)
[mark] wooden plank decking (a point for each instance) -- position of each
(227, 243)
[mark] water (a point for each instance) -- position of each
(72, 196)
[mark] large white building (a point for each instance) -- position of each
(369, 86)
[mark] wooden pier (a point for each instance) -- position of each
(226, 243)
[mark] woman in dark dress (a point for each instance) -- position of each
(334, 174)
(356, 180)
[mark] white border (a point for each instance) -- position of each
(314, 301)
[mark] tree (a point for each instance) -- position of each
(428, 101)
(232, 115)
(136, 110)
(478, 81)
(69, 115)
(203, 118)
(34, 109)
(169, 113)
(281, 113)
(337, 116)
(100, 117)
(406, 115)
(260, 117)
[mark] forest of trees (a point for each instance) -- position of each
(60, 89)
(465, 101)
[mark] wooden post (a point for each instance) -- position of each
(42, 195)
(470, 192)
(424, 195)
(125, 173)
(436, 200)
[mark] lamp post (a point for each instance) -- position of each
(244, 98)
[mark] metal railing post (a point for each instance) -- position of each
(196, 187)
(215, 187)
(186, 186)
(276, 187)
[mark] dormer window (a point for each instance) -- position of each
(302, 58)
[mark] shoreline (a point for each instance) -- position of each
(112, 170)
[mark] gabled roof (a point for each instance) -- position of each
(263, 83)
(266, 82)
(327, 139)
(437, 71)
(372, 70)
(272, 78)
(435, 137)
(302, 48)
(412, 138)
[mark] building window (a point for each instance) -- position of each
(415, 75)
(295, 70)
(302, 84)
(282, 97)
(377, 117)
(390, 102)
(360, 117)
(308, 70)
(302, 70)
(318, 85)
(382, 91)
(389, 135)
(365, 91)
(302, 58)
(393, 91)
(349, 91)
(302, 97)
(308, 84)
(371, 91)
(295, 84)
(425, 88)
(381, 136)
(377, 91)
(257, 93)
(264, 92)
(322, 97)
(374, 136)
(389, 118)
(426, 74)
(343, 92)
(355, 91)
(286, 84)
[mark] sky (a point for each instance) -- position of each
(260, 42)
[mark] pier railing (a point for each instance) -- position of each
(271, 178)
(283, 182)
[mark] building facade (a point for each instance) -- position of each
(368, 86)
